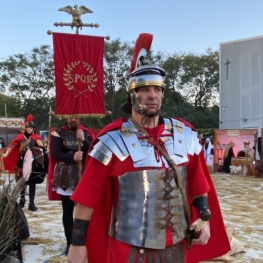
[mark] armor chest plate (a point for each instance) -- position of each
(148, 202)
(70, 141)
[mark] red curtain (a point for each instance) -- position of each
(78, 62)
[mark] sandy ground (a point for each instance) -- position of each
(241, 201)
(240, 198)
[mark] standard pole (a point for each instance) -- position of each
(79, 149)
(6, 131)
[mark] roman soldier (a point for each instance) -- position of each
(143, 174)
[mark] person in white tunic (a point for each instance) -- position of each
(209, 153)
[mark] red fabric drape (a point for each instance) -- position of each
(78, 62)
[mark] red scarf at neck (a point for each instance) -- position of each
(154, 138)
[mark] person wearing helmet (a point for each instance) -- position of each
(16, 151)
(131, 198)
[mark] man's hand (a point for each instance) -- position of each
(205, 233)
(77, 254)
(78, 156)
(80, 135)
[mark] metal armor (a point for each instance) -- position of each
(143, 213)
(148, 201)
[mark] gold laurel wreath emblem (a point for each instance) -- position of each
(90, 70)
(93, 75)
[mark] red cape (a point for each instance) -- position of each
(52, 195)
(97, 237)
(11, 160)
(217, 228)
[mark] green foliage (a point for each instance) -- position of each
(11, 104)
(117, 57)
(29, 79)
(191, 92)
(200, 79)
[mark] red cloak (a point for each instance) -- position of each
(97, 237)
(11, 160)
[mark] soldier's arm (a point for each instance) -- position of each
(77, 250)
(8, 150)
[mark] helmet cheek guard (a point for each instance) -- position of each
(135, 101)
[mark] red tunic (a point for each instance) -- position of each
(94, 191)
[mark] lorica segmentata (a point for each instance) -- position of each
(148, 203)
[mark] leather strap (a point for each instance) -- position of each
(24, 145)
(174, 167)
(80, 227)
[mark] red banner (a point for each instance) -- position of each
(78, 62)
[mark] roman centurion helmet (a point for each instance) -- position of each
(141, 74)
(29, 121)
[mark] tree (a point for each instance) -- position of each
(9, 106)
(173, 68)
(200, 79)
(191, 84)
(29, 77)
(117, 58)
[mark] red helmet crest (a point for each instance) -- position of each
(142, 46)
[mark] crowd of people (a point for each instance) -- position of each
(228, 153)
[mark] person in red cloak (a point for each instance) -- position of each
(63, 167)
(15, 153)
(130, 204)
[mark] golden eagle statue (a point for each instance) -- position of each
(76, 13)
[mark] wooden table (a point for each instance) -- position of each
(242, 162)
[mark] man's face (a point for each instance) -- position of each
(151, 97)
(72, 123)
(29, 129)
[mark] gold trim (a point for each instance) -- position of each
(24, 145)
(90, 86)
(169, 127)
(179, 127)
(165, 139)
(80, 115)
(135, 85)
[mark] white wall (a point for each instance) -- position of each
(241, 93)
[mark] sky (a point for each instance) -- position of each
(178, 26)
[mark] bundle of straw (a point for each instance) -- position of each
(9, 221)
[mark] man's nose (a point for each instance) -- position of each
(152, 93)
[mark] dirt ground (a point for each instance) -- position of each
(241, 201)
